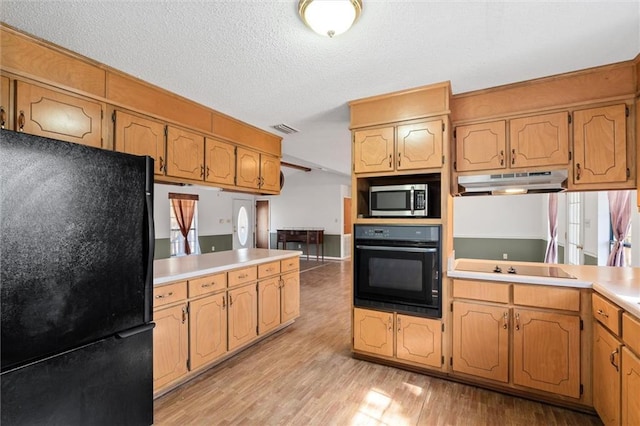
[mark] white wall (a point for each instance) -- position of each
(500, 216)
(214, 209)
(311, 199)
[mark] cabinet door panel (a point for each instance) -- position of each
(140, 136)
(373, 332)
(630, 388)
(169, 345)
(542, 140)
(419, 340)
(243, 315)
(546, 352)
(56, 115)
(373, 150)
(270, 172)
(599, 144)
(419, 146)
(220, 161)
(207, 329)
(481, 146)
(5, 123)
(606, 378)
(248, 168)
(290, 296)
(481, 340)
(268, 304)
(185, 154)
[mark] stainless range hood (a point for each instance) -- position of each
(513, 183)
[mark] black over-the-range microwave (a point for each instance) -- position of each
(398, 200)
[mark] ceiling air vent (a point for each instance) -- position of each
(285, 129)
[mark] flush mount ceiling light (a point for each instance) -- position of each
(329, 17)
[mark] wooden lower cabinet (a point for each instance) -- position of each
(481, 340)
(268, 304)
(207, 329)
(405, 337)
(290, 297)
(630, 388)
(373, 331)
(546, 351)
(170, 345)
(243, 315)
(419, 340)
(606, 375)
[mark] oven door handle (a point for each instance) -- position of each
(405, 249)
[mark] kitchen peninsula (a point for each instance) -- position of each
(209, 307)
(565, 330)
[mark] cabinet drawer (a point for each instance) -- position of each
(207, 284)
(268, 269)
(171, 293)
(481, 290)
(241, 276)
(607, 313)
(631, 332)
(290, 264)
(566, 299)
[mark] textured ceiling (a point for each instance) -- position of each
(256, 61)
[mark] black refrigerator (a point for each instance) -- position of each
(76, 282)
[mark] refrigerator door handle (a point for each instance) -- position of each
(136, 330)
(148, 283)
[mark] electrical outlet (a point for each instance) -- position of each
(505, 256)
(299, 245)
(213, 248)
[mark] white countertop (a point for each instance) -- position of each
(185, 267)
(620, 285)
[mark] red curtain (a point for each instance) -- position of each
(551, 256)
(184, 210)
(620, 210)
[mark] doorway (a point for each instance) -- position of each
(243, 224)
(574, 247)
(262, 224)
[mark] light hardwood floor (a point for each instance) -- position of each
(305, 375)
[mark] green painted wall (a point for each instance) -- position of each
(590, 260)
(331, 245)
(524, 250)
(220, 242)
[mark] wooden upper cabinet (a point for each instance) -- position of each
(247, 168)
(481, 340)
(546, 352)
(185, 154)
(419, 146)
(600, 145)
(57, 115)
(220, 162)
(481, 146)
(373, 150)
(269, 173)
(4, 103)
(541, 140)
(419, 340)
(141, 136)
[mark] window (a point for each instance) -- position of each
(575, 229)
(183, 209)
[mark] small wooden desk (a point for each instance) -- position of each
(301, 235)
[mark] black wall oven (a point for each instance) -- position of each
(398, 267)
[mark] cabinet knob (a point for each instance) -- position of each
(505, 319)
(517, 321)
(399, 159)
(3, 117)
(612, 358)
(578, 171)
(513, 156)
(162, 296)
(390, 159)
(602, 313)
(161, 168)
(224, 302)
(502, 157)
